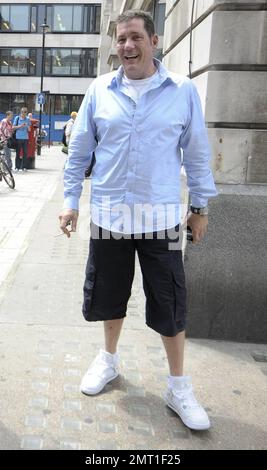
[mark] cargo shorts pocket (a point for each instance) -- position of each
(88, 291)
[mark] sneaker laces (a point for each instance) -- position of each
(186, 397)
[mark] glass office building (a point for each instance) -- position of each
(78, 45)
(70, 54)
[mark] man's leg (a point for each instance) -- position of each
(107, 288)
(164, 285)
(112, 330)
(174, 346)
(18, 160)
(180, 396)
(104, 369)
(25, 153)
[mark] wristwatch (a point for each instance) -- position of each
(199, 210)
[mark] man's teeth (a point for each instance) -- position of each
(131, 57)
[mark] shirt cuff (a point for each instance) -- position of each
(196, 201)
(71, 202)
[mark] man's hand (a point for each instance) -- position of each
(198, 224)
(68, 217)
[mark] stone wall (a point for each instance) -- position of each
(226, 274)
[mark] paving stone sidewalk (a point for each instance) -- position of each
(46, 346)
(19, 208)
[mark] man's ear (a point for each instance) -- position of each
(155, 40)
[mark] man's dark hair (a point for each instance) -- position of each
(144, 15)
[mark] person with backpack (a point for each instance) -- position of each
(69, 126)
(67, 129)
(22, 125)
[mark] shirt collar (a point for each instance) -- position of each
(164, 75)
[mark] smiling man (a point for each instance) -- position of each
(138, 121)
(135, 49)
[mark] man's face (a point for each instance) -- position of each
(135, 49)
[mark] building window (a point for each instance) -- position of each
(74, 18)
(16, 101)
(55, 104)
(75, 102)
(33, 19)
(61, 18)
(71, 62)
(65, 104)
(90, 65)
(66, 18)
(17, 61)
(159, 17)
(61, 105)
(5, 102)
(94, 16)
(14, 18)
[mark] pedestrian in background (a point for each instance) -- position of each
(142, 122)
(6, 131)
(22, 125)
(69, 126)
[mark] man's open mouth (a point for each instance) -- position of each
(129, 57)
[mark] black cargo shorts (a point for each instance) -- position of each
(109, 276)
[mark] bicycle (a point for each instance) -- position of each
(5, 172)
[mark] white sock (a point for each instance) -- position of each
(109, 355)
(175, 379)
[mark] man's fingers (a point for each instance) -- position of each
(65, 222)
(68, 221)
(73, 225)
(67, 232)
(198, 235)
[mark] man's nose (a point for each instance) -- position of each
(129, 44)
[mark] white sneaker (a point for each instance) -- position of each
(103, 369)
(180, 398)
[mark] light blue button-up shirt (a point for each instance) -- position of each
(139, 149)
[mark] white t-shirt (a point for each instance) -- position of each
(136, 88)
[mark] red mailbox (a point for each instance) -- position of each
(32, 139)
